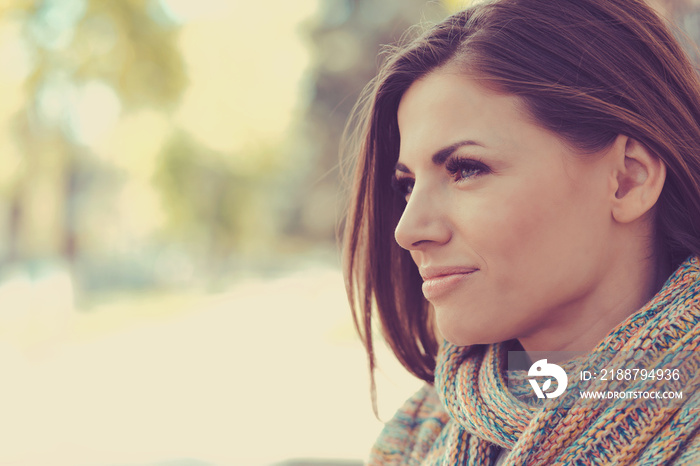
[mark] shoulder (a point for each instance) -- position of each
(412, 431)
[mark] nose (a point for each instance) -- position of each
(423, 221)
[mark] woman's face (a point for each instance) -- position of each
(510, 229)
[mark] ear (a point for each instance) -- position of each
(638, 179)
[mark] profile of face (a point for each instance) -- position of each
(514, 233)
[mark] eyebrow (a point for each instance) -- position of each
(442, 155)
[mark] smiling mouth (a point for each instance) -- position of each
(436, 286)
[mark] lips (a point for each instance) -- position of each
(440, 281)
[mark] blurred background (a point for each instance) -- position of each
(170, 288)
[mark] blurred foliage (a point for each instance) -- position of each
(91, 61)
(100, 172)
(122, 43)
(201, 188)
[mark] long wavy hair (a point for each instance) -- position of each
(587, 70)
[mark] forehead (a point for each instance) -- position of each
(445, 107)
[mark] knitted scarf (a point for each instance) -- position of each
(476, 407)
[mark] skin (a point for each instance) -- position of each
(560, 242)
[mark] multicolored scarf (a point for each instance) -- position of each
(476, 408)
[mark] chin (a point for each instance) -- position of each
(459, 336)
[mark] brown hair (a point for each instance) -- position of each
(586, 69)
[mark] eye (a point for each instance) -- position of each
(462, 169)
(402, 185)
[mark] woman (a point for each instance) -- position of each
(528, 179)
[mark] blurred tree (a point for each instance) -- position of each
(93, 60)
(216, 208)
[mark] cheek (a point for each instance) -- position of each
(529, 231)
(520, 220)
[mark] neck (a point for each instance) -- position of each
(586, 321)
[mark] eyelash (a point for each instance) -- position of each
(403, 185)
(456, 166)
(460, 169)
